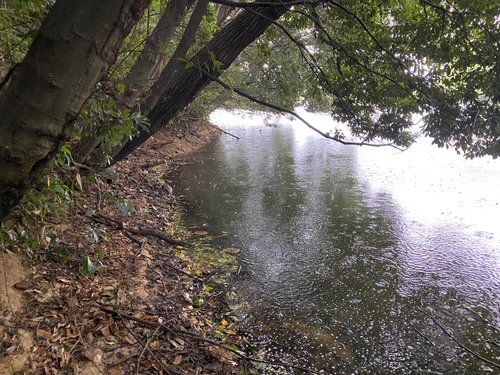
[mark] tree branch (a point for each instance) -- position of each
(200, 338)
(435, 6)
(459, 343)
(284, 110)
(363, 25)
(267, 4)
(312, 65)
(355, 60)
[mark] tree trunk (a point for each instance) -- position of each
(174, 65)
(224, 47)
(143, 72)
(146, 69)
(74, 48)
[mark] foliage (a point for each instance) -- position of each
(375, 65)
(19, 22)
(105, 119)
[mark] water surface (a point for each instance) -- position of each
(355, 253)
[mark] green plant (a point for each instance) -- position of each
(104, 119)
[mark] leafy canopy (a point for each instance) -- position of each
(378, 65)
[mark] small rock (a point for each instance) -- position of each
(23, 285)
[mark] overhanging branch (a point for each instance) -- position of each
(296, 115)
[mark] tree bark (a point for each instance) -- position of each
(146, 69)
(74, 48)
(143, 72)
(174, 64)
(172, 67)
(186, 84)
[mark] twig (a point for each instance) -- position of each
(132, 238)
(122, 316)
(178, 270)
(225, 132)
(203, 339)
(422, 335)
(485, 321)
(143, 232)
(144, 349)
(159, 274)
(459, 343)
(119, 362)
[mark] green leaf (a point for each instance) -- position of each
(88, 266)
(125, 208)
(226, 78)
(84, 115)
(189, 65)
(120, 87)
(162, 47)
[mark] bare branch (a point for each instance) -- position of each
(197, 338)
(314, 66)
(355, 60)
(459, 343)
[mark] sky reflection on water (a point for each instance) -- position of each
(351, 247)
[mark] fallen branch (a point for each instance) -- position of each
(202, 339)
(459, 343)
(484, 320)
(143, 232)
(225, 132)
(422, 335)
(178, 270)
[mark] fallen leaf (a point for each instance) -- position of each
(234, 340)
(93, 355)
(114, 328)
(200, 233)
(187, 298)
(105, 331)
(45, 334)
(177, 360)
(234, 250)
(79, 180)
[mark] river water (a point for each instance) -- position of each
(354, 256)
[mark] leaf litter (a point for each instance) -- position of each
(142, 305)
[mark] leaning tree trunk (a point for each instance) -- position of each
(145, 69)
(74, 48)
(186, 84)
(174, 64)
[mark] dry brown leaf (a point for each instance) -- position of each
(79, 180)
(105, 331)
(200, 233)
(234, 250)
(45, 334)
(221, 354)
(234, 340)
(177, 360)
(114, 328)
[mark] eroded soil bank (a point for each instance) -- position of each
(147, 307)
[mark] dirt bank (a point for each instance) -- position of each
(142, 304)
